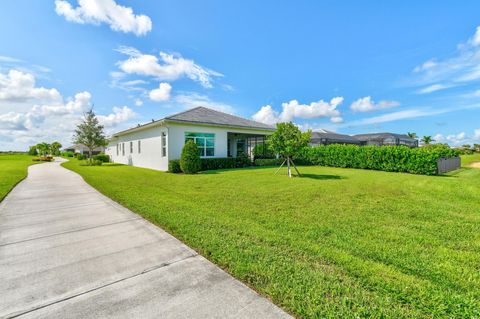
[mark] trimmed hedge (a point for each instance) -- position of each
(190, 159)
(104, 158)
(269, 161)
(218, 163)
(174, 166)
(385, 158)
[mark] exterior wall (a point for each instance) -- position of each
(151, 146)
(150, 155)
(176, 138)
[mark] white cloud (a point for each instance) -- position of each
(366, 104)
(118, 17)
(433, 88)
(476, 134)
(337, 119)
(188, 100)
(460, 69)
(138, 102)
(17, 86)
(40, 120)
(168, 68)
(162, 93)
(453, 139)
(119, 115)
(294, 109)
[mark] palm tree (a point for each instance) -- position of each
(56, 146)
(44, 148)
(412, 135)
(427, 140)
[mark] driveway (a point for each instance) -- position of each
(66, 251)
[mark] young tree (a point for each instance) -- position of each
(43, 148)
(56, 146)
(427, 140)
(90, 133)
(287, 141)
(32, 150)
(412, 135)
(476, 147)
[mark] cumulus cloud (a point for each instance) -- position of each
(293, 109)
(165, 67)
(118, 17)
(366, 104)
(49, 120)
(477, 134)
(18, 86)
(452, 139)
(162, 93)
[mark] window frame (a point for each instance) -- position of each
(163, 143)
(208, 144)
(131, 147)
(139, 145)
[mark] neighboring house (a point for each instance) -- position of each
(380, 139)
(216, 134)
(82, 149)
(324, 137)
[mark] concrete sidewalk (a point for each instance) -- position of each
(66, 251)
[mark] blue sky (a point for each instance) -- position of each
(345, 66)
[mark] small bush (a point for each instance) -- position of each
(218, 163)
(33, 150)
(190, 160)
(104, 158)
(262, 151)
(68, 154)
(269, 161)
(243, 161)
(174, 166)
(42, 159)
(80, 156)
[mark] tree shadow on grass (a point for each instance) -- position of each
(320, 176)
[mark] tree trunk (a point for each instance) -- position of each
(289, 168)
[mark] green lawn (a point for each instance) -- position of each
(336, 243)
(467, 160)
(13, 168)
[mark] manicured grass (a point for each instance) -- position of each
(467, 160)
(336, 243)
(13, 168)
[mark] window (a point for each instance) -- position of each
(131, 147)
(123, 149)
(164, 144)
(139, 146)
(205, 142)
(117, 148)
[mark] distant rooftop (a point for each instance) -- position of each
(373, 136)
(332, 136)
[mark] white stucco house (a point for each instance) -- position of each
(216, 134)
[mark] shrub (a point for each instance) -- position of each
(262, 151)
(218, 163)
(33, 150)
(190, 160)
(174, 166)
(385, 158)
(68, 154)
(243, 161)
(104, 158)
(80, 156)
(42, 159)
(269, 161)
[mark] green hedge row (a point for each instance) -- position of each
(269, 161)
(207, 164)
(385, 158)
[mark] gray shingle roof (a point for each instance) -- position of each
(333, 137)
(374, 136)
(203, 115)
